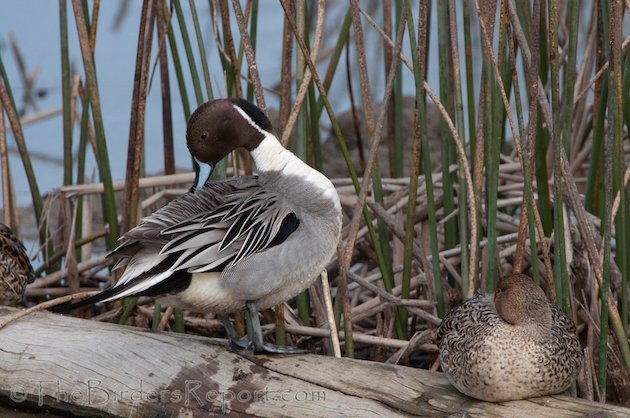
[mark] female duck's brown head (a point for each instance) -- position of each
(220, 126)
(521, 302)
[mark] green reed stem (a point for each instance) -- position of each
(65, 93)
(315, 133)
(335, 56)
(157, 315)
(560, 256)
(419, 75)
(470, 86)
(399, 140)
(448, 157)
(202, 50)
(8, 103)
(594, 180)
(459, 119)
(108, 197)
(194, 74)
(611, 22)
(81, 158)
(179, 321)
(179, 74)
(253, 35)
(542, 135)
(623, 246)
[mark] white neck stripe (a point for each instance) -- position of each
(249, 120)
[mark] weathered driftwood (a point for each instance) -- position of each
(85, 366)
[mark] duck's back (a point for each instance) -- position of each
(148, 233)
(284, 270)
(489, 359)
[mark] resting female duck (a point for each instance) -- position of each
(15, 268)
(239, 243)
(515, 346)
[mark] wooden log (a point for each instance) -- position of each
(74, 365)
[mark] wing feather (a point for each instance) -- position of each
(212, 229)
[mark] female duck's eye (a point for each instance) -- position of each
(204, 135)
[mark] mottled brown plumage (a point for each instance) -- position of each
(516, 345)
(15, 268)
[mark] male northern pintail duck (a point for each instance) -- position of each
(15, 268)
(239, 243)
(516, 345)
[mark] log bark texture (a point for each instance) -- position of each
(87, 367)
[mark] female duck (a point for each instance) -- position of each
(515, 346)
(15, 268)
(239, 243)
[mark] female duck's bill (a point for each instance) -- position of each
(238, 243)
(514, 345)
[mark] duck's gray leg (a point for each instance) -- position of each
(257, 336)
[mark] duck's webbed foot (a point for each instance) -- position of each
(236, 342)
(260, 346)
(257, 343)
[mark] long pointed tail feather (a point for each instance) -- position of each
(92, 300)
(177, 281)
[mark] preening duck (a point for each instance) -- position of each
(514, 345)
(15, 268)
(239, 243)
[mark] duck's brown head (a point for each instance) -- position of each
(220, 126)
(520, 301)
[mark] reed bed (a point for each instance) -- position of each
(446, 186)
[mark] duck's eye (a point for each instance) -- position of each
(204, 135)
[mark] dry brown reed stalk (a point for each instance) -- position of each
(363, 66)
(589, 85)
(70, 259)
(28, 78)
(230, 53)
(59, 291)
(285, 78)
(145, 182)
(360, 338)
(138, 110)
(167, 117)
(166, 316)
(53, 278)
(330, 317)
(217, 37)
(40, 116)
(306, 80)
(250, 55)
(91, 133)
(46, 305)
(6, 179)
